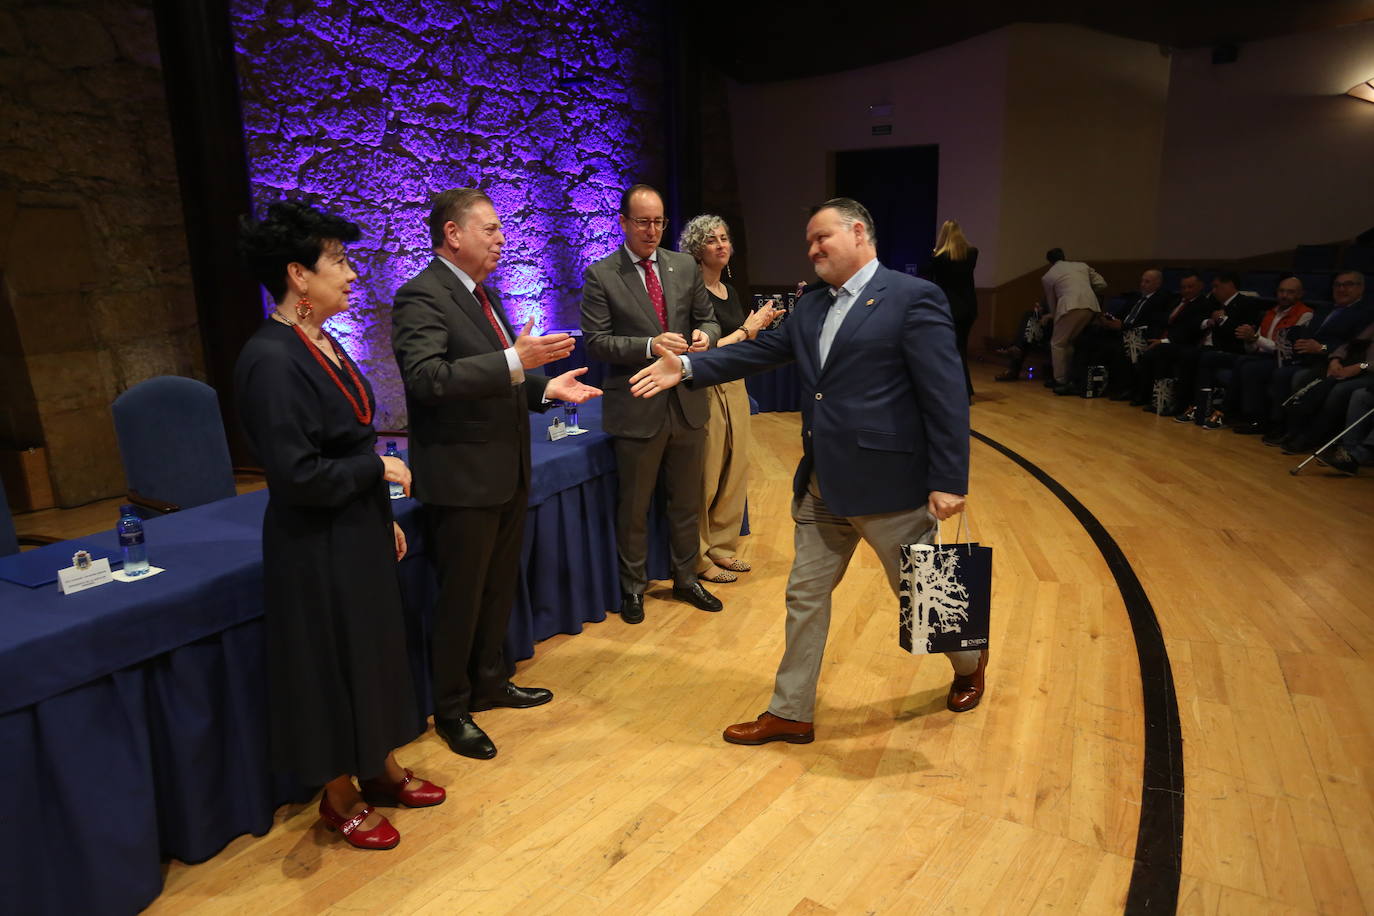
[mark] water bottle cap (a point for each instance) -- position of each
(391, 443)
(127, 509)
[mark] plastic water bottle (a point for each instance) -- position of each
(130, 530)
(397, 491)
(570, 414)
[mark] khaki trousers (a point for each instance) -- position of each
(1067, 327)
(724, 473)
(824, 543)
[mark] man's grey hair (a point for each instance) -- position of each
(1358, 275)
(851, 212)
(697, 231)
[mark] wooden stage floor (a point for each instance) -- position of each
(621, 798)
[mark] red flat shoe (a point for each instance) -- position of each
(412, 791)
(383, 836)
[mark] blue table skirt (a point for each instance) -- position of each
(776, 390)
(166, 757)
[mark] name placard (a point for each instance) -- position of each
(75, 579)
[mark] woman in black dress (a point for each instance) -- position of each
(952, 271)
(342, 695)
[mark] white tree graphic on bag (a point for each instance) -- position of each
(931, 595)
(1135, 344)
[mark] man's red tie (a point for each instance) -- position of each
(655, 292)
(481, 295)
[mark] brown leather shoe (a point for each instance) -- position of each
(966, 691)
(769, 727)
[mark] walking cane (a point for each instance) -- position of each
(1302, 391)
(1367, 414)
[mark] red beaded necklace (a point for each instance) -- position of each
(363, 412)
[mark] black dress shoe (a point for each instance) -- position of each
(464, 737)
(1066, 388)
(632, 608)
(698, 597)
(512, 697)
(1252, 428)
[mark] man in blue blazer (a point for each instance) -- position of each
(884, 439)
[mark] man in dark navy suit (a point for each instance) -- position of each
(884, 438)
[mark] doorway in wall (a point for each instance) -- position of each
(899, 186)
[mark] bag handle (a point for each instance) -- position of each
(959, 531)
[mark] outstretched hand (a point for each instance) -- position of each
(566, 387)
(536, 350)
(660, 375)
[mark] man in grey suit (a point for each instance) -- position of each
(638, 297)
(469, 396)
(1071, 292)
(884, 441)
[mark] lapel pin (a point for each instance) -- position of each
(869, 302)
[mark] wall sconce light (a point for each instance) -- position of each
(1363, 91)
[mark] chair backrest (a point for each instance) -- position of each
(9, 540)
(1358, 257)
(172, 442)
(1315, 257)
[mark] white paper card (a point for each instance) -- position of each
(120, 575)
(75, 579)
(557, 431)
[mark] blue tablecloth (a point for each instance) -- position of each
(133, 716)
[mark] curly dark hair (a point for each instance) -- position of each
(291, 233)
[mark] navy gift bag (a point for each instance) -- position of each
(945, 595)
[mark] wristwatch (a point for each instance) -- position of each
(1364, 367)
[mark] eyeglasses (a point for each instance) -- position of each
(643, 222)
(1347, 283)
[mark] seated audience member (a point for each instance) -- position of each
(1311, 351)
(1120, 337)
(1267, 343)
(1033, 336)
(1319, 414)
(1071, 292)
(1221, 342)
(1181, 331)
(1356, 448)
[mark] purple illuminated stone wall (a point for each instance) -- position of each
(369, 109)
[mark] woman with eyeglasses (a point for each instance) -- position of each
(342, 697)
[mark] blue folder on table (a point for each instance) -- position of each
(35, 568)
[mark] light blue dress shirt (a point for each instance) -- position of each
(845, 297)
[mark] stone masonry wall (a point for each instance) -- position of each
(92, 245)
(370, 108)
